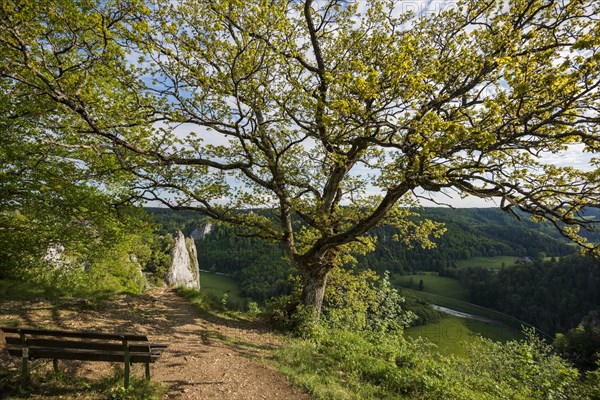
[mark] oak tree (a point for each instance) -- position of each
(334, 115)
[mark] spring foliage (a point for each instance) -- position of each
(336, 113)
(345, 364)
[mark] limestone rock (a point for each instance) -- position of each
(55, 255)
(202, 232)
(184, 268)
(196, 233)
(207, 230)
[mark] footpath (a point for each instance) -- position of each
(209, 357)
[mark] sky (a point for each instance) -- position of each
(574, 156)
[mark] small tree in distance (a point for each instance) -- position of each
(334, 115)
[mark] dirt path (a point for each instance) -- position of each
(208, 357)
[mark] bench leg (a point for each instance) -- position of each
(127, 373)
(25, 370)
(25, 359)
(55, 365)
(147, 371)
(127, 361)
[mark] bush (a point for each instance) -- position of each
(343, 364)
(359, 301)
(580, 345)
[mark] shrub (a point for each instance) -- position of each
(338, 364)
(360, 301)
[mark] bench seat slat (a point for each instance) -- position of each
(73, 344)
(81, 334)
(83, 355)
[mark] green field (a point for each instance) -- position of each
(451, 334)
(487, 262)
(448, 292)
(470, 308)
(216, 285)
(438, 285)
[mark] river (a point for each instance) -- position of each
(463, 315)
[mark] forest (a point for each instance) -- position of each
(553, 290)
(548, 285)
(470, 233)
(554, 296)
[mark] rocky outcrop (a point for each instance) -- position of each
(184, 267)
(55, 255)
(196, 233)
(202, 232)
(207, 230)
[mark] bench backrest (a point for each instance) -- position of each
(75, 334)
(85, 346)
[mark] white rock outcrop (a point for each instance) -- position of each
(184, 268)
(207, 230)
(196, 233)
(55, 255)
(202, 232)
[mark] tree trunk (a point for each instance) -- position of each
(314, 280)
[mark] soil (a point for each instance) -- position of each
(209, 357)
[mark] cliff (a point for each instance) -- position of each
(184, 268)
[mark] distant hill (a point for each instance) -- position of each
(262, 272)
(471, 232)
(171, 220)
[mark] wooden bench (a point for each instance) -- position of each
(83, 346)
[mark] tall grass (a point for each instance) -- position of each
(342, 365)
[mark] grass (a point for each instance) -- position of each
(13, 290)
(471, 308)
(451, 334)
(487, 262)
(340, 365)
(437, 285)
(493, 262)
(215, 286)
(215, 311)
(48, 385)
(343, 365)
(448, 292)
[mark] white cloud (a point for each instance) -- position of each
(574, 156)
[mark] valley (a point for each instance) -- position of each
(462, 273)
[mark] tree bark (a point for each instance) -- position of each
(314, 280)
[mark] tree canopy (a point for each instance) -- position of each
(59, 205)
(335, 114)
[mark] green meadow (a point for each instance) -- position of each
(487, 262)
(215, 286)
(451, 334)
(491, 262)
(469, 308)
(434, 284)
